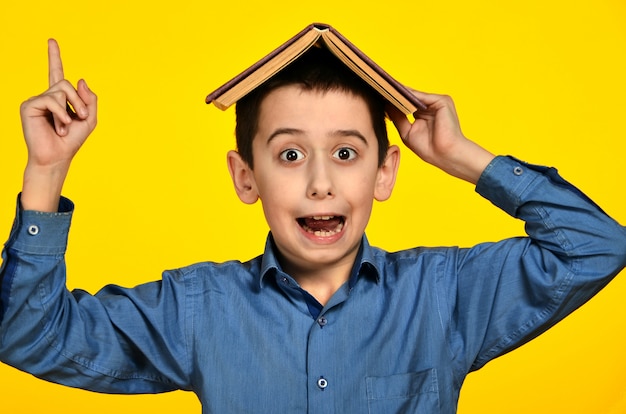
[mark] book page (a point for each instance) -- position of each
(363, 69)
(291, 53)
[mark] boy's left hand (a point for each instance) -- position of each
(436, 137)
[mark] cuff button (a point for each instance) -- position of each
(33, 230)
(518, 170)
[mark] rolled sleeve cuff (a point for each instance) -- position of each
(40, 233)
(506, 180)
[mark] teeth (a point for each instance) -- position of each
(321, 233)
(322, 217)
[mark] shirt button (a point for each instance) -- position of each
(322, 383)
(518, 170)
(322, 321)
(33, 230)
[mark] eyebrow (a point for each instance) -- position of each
(284, 131)
(339, 133)
(350, 133)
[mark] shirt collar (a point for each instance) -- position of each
(365, 263)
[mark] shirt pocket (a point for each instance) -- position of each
(414, 392)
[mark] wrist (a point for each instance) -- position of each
(469, 162)
(41, 188)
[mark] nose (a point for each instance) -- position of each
(320, 182)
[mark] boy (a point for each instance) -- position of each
(321, 322)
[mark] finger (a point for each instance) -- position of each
(55, 75)
(65, 95)
(91, 101)
(77, 106)
(45, 105)
(429, 99)
(56, 111)
(55, 65)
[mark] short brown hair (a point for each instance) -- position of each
(316, 70)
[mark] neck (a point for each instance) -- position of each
(321, 278)
(322, 285)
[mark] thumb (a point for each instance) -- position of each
(400, 121)
(91, 101)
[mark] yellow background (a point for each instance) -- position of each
(541, 80)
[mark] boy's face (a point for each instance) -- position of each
(316, 172)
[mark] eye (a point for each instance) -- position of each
(345, 154)
(291, 155)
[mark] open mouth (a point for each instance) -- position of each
(322, 226)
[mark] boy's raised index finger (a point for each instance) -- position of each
(55, 66)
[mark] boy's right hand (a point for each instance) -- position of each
(54, 134)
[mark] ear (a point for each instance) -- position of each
(242, 177)
(386, 178)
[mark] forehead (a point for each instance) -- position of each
(294, 106)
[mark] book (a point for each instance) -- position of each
(322, 35)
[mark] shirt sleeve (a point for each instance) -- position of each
(508, 292)
(115, 341)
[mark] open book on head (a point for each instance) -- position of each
(321, 35)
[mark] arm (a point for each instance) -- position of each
(117, 341)
(104, 342)
(506, 293)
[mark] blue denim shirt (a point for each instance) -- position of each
(399, 338)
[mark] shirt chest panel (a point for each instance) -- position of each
(269, 343)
